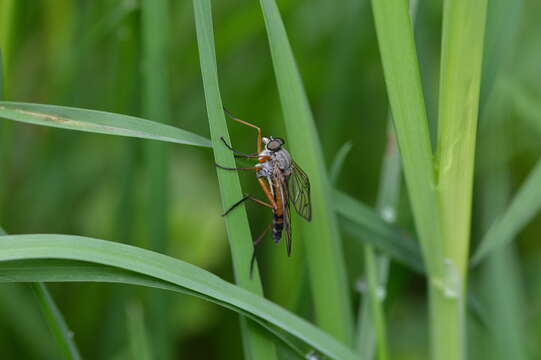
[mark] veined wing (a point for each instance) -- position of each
(282, 186)
(287, 228)
(299, 191)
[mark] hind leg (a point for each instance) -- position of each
(256, 242)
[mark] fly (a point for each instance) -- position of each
(283, 182)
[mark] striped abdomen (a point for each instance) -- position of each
(278, 219)
(277, 227)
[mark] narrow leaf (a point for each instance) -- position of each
(138, 335)
(524, 206)
(55, 320)
(338, 162)
(321, 236)
(97, 122)
(364, 224)
(401, 70)
(19, 254)
(156, 105)
(256, 344)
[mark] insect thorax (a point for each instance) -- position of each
(279, 160)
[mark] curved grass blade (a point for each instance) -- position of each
(155, 94)
(57, 324)
(138, 334)
(257, 345)
(54, 318)
(524, 206)
(128, 264)
(401, 70)
(54, 270)
(503, 23)
(503, 304)
(377, 264)
(97, 122)
(363, 223)
(338, 162)
(321, 236)
(460, 82)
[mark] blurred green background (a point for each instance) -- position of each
(88, 54)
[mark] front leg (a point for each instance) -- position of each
(239, 153)
(228, 168)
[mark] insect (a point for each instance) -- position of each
(283, 182)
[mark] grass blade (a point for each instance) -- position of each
(321, 236)
(97, 122)
(463, 36)
(460, 82)
(401, 69)
(256, 344)
(524, 206)
(377, 265)
(503, 23)
(1, 75)
(24, 320)
(140, 348)
(503, 295)
(363, 223)
(146, 267)
(8, 10)
(156, 105)
(55, 320)
(525, 104)
(338, 162)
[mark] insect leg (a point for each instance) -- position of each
(239, 153)
(246, 197)
(228, 168)
(248, 124)
(267, 192)
(257, 241)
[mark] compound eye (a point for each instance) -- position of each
(274, 144)
(282, 141)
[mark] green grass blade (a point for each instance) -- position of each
(363, 223)
(55, 320)
(8, 9)
(24, 320)
(58, 326)
(377, 265)
(156, 105)
(56, 270)
(505, 304)
(502, 291)
(1, 75)
(371, 328)
(525, 104)
(401, 70)
(97, 122)
(256, 344)
(138, 335)
(463, 35)
(503, 23)
(321, 236)
(338, 163)
(524, 206)
(460, 81)
(142, 266)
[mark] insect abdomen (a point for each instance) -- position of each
(277, 227)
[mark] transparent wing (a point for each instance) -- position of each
(287, 226)
(286, 211)
(299, 191)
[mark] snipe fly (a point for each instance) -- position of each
(283, 182)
